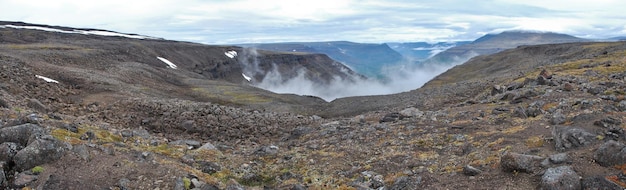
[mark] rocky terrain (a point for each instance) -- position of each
(102, 112)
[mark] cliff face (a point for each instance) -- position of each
(366, 59)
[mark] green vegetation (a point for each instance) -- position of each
(37, 170)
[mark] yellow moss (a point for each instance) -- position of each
(496, 142)
(425, 156)
(549, 106)
(66, 136)
(206, 155)
(174, 151)
(513, 130)
(534, 142)
(486, 133)
(106, 136)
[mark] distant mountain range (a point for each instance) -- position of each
(371, 59)
(366, 59)
(419, 51)
(493, 43)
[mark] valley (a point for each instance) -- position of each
(120, 112)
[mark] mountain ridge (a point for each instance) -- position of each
(492, 43)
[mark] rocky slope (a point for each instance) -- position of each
(549, 116)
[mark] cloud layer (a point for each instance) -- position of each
(246, 21)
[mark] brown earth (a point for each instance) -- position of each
(138, 110)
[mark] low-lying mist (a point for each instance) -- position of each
(397, 78)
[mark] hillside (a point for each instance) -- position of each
(84, 111)
(366, 59)
(492, 43)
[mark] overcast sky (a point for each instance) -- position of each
(376, 21)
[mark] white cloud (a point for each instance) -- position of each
(240, 21)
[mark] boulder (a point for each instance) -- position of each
(510, 162)
(411, 112)
(179, 184)
(3, 103)
(21, 134)
(391, 117)
(70, 127)
(562, 177)
(610, 153)
(471, 171)
(559, 158)
(568, 87)
(207, 146)
(42, 150)
(23, 179)
(599, 182)
(545, 74)
(37, 105)
(534, 109)
(558, 117)
(8, 151)
(233, 185)
(609, 122)
(267, 150)
(407, 183)
(571, 137)
(621, 106)
(500, 110)
(497, 89)
(190, 143)
(520, 112)
(209, 167)
(2, 176)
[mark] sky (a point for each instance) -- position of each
(367, 21)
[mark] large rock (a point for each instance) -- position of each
(610, 153)
(42, 150)
(412, 112)
(598, 183)
(510, 162)
(562, 177)
(37, 105)
(571, 137)
(534, 109)
(558, 117)
(2, 176)
(23, 179)
(391, 117)
(3, 103)
(407, 183)
(8, 150)
(21, 134)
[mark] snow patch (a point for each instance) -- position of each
(232, 54)
(246, 77)
(47, 79)
(168, 62)
(75, 31)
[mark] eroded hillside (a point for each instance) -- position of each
(118, 118)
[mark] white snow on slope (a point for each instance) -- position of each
(232, 54)
(168, 62)
(246, 77)
(85, 32)
(47, 79)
